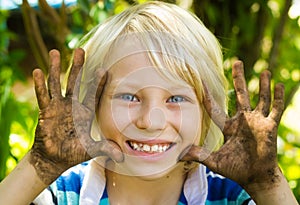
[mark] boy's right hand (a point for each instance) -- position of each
(62, 137)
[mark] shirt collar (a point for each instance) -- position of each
(195, 186)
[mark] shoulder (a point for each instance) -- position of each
(221, 189)
(72, 179)
(66, 188)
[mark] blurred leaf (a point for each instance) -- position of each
(84, 5)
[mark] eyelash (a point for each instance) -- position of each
(176, 97)
(133, 98)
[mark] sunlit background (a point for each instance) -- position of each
(18, 107)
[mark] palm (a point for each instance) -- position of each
(250, 151)
(56, 135)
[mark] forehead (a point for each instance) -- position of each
(137, 71)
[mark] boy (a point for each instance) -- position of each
(149, 97)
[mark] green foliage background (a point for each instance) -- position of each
(258, 32)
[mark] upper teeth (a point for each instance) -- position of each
(149, 148)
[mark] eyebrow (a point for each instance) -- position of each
(112, 84)
(135, 86)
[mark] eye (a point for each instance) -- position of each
(128, 97)
(176, 99)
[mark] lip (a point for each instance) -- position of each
(149, 155)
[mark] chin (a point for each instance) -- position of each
(136, 167)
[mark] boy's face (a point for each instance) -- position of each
(151, 118)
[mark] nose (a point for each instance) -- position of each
(151, 118)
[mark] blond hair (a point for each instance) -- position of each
(174, 39)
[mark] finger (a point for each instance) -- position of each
(216, 113)
(239, 82)
(54, 74)
(95, 90)
(264, 102)
(106, 148)
(103, 75)
(78, 61)
(40, 88)
(278, 104)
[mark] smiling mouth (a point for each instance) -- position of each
(149, 148)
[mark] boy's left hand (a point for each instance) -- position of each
(249, 154)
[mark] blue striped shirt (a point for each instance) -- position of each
(85, 184)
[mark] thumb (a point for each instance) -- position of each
(106, 148)
(197, 154)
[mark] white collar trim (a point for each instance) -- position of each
(94, 182)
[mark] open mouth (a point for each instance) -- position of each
(149, 147)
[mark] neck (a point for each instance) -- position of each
(165, 189)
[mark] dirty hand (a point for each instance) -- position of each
(62, 137)
(249, 153)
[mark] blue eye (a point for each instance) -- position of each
(128, 97)
(176, 99)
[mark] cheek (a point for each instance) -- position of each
(105, 119)
(121, 115)
(191, 126)
(113, 117)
